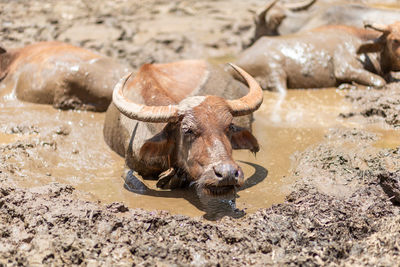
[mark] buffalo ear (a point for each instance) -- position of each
(158, 146)
(3, 63)
(370, 48)
(373, 46)
(241, 138)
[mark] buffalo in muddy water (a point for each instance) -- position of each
(280, 18)
(60, 74)
(324, 57)
(175, 122)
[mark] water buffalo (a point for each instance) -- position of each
(280, 18)
(61, 74)
(174, 122)
(323, 57)
(387, 47)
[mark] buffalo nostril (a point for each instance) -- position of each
(227, 171)
(218, 174)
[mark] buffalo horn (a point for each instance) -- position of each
(377, 27)
(139, 111)
(243, 106)
(269, 6)
(250, 102)
(300, 5)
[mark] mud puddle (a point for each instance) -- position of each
(68, 147)
(8, 138)
(388, 5)
(284, 126)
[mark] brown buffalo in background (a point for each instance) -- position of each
(283, 17)
(324, 57)
(175, 121)
(66, 76)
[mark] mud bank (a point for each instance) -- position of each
(377, 106)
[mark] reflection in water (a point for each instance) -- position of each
(214, 207)
(81, 157)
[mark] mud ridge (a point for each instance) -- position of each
(377, 105)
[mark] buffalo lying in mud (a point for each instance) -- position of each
(174, 122)
(280, 18)
(324, 57)
(60, 74)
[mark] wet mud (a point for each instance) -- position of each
(324, 188)
(143, 32)
(378, 106)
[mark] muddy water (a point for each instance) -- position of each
(388, 138)
(284, 126)
(385, 5)
(81, 158)
(8, 138)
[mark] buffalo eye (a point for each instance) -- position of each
(230, 129)
(188, 131)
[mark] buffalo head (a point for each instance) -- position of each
(388, 44)
(269, 20)
(199, 135)
(4, 63)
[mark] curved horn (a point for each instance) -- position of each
(377, 27)
(139, 111)
(270, 5)
(299, 5)
(250, 102)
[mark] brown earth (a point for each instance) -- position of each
(135, 32)
(377, 106)
(343, 209)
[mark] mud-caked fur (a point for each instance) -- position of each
(323, 57)
(66, 76)
(280, 18)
